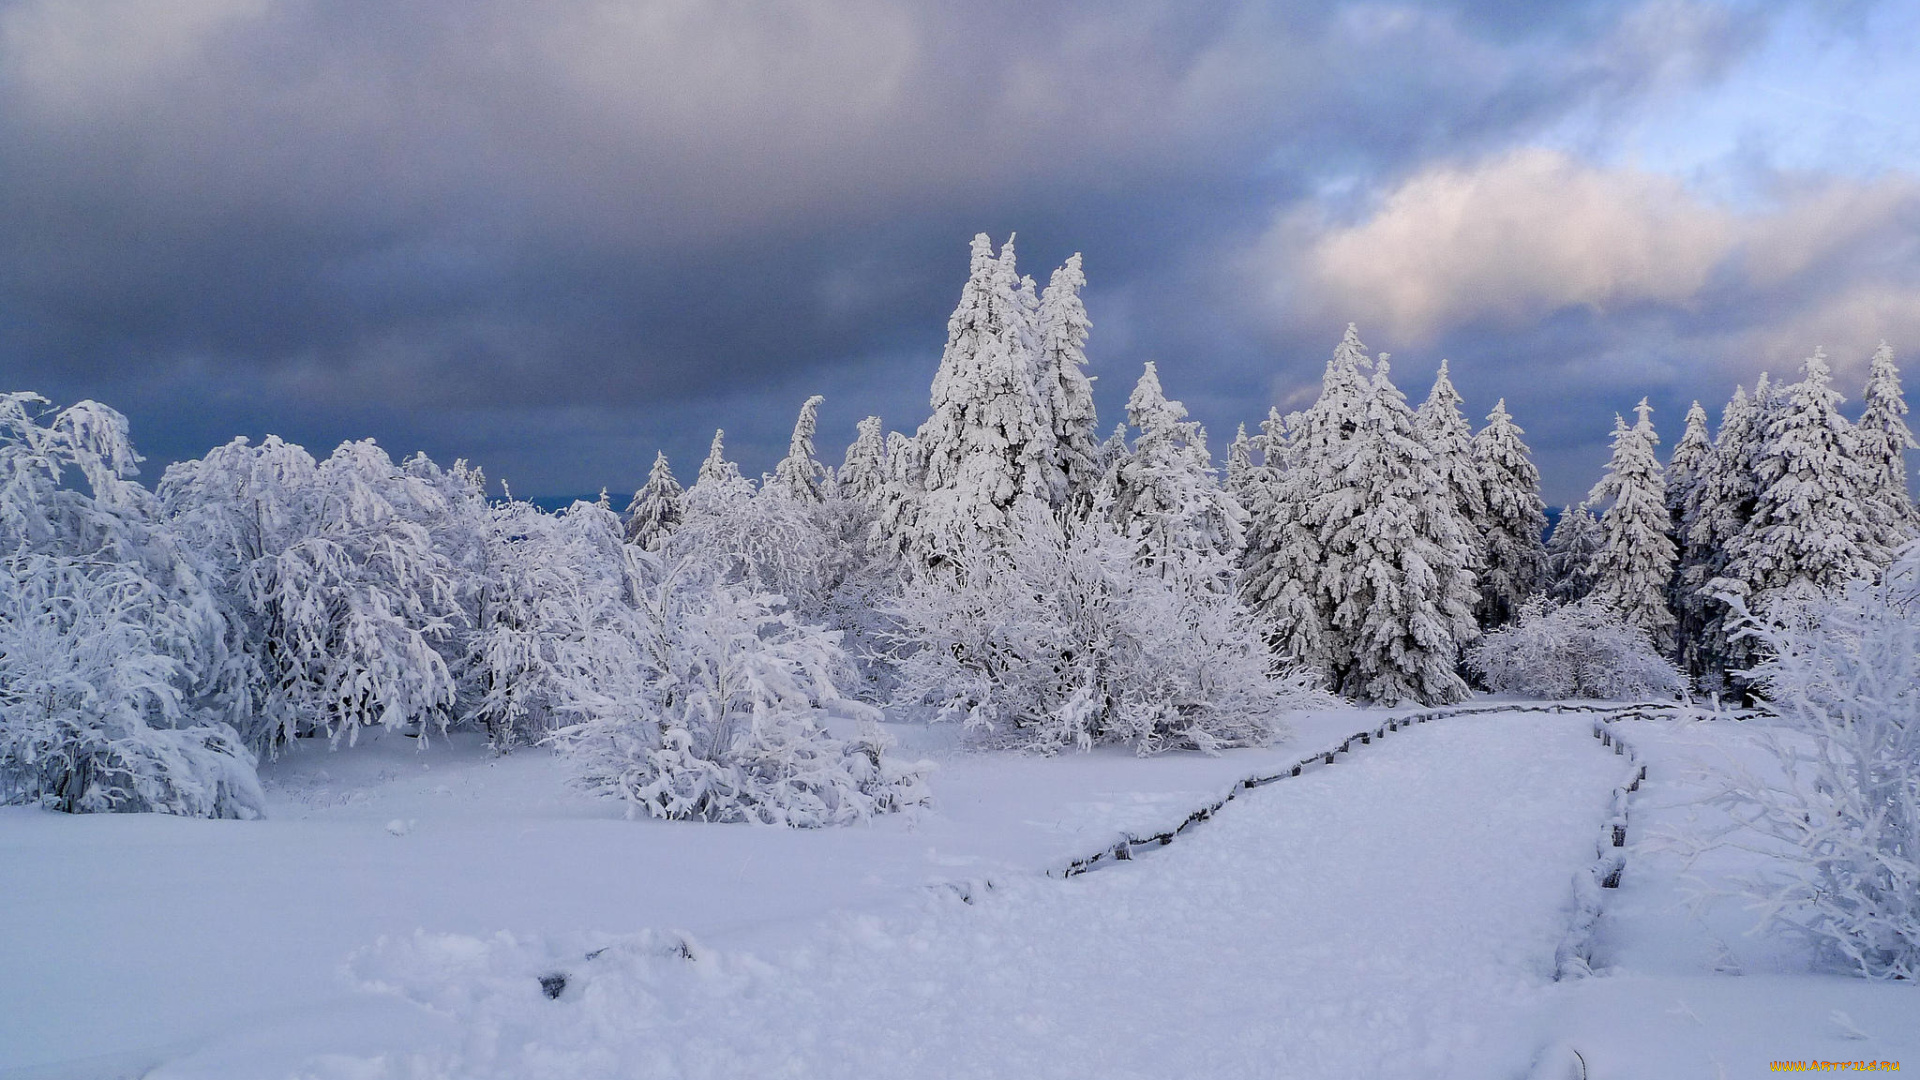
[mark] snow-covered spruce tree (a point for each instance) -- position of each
(1688, 473)
(862, 476)
(1578, 650)
(1720, 505)
(657, 507)
(1444, 430)
(117, 669)
(1067, 391)
(1880, 442)
(1398, 561)
(1575, 542)
(696, 697)
(768, 539)
(798, 475)
(1635, 563)
(1513, 553)
(1240, 466)
(1807, 530)
(989, 445)
(1286, 543)
(1842, 680)
(1165, 497)
(1062, 639)
(897, 516)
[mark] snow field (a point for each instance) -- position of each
(1395, 915)
(129, 938)
(1680, 996)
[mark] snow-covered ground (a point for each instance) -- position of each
(1396, 914)
(1684, 996)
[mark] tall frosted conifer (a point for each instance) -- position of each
(1689, 470)
(897, 517)
(1283, 579)
(1571, 550)
(1449, 438)
(1717, 512)
(1165, 496)
(1066, 390)
(1398, 560)
(1635, 564)
(863, 475)
(799, 475)
(1240, 476)
(1511, 531)
(657, 507)
(1880, 442)
(1807, 529)
(989, 445)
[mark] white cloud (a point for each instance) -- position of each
(1506, 242)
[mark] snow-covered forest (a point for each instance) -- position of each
(721, 651)
(733, 650)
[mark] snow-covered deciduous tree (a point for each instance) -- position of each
(989, 445)
(1578, 650)
(1063, 639)
(799, 475)
(94, 708)
(1841, 678)
(1576, 540)
(862, 476)
(543, 571)
(1807, 528)
(657, 507)
(1635, 563)
(1512, 549)
(1165, 497)
(1066, 391)
(117, 666)
(1398, 561)
(1880, 442)
(696, 697)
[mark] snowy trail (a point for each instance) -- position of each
(1395, 915)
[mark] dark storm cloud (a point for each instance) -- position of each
(552, 236)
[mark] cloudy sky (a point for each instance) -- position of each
(552, 237)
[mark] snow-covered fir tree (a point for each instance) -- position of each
(799, 475)
(989, 445)
(1240, 465)
(1576, 540)
(1688, 471)
(772, 541)
(1443, 428)
(896, 520)
(1286, 545)
(1066, 390)
(1880, 442)
(1398, 560)
(657, 507)
(1807, 531)
(863, 475)
(1165, 495)
(1720, 504)
(1512, 550)
(1634, 565)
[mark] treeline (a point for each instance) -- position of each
(718, 650)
